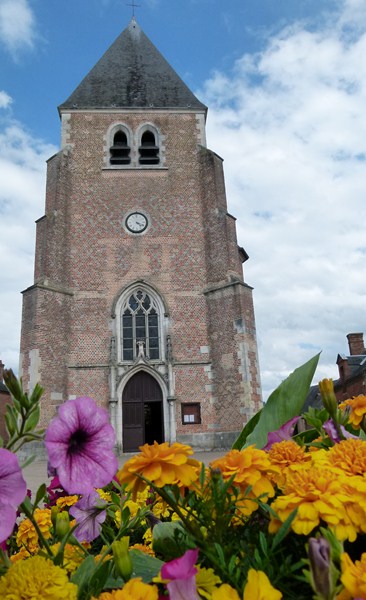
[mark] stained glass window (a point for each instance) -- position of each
(140, 323)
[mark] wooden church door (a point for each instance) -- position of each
(142, 412)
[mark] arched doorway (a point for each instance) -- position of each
(142, 412)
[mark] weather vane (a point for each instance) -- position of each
(134, 5)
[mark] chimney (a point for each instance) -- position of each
(355, 343)
(1, 371)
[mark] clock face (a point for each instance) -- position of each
(136, 222)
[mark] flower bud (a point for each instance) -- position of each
(54, 512)
(319, 555)
(122, 559)
(328, 396)
(62, 524)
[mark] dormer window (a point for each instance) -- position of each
(120, 150)
(148, 150)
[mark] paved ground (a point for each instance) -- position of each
(36, 472)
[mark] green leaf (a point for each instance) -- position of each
(83, 573)
(33, 419)
(145, 566)
(99, 579)
(284, 403)
(284, 529)
(170, 539)
(220, 553)
(40, 494)
(242, 438)
(11, 424)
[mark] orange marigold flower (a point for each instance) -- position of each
(285, 454)
(358, 409)
(65, 501)
(162, 464)
(251, 468)
(355, 505)
(21, 555)
(145, 549)
(349, 456)
(318, 495)
(27, 535)
(354, 575)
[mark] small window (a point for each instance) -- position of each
(120, 151)
(191, 413)
(148, 151)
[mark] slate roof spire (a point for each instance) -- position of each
(132, 74)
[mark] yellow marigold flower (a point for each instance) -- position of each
(354, 575)
(73, 556)
(285, 454)
(160, 508)
(355, 503)
(106, 496)
(134, 507)
(318, 494)
(134, 589)
(147, 537)
(163, 464)
(250, 468)
(225, 592)
(349, 456)
(43, 518)
(36, 577)
(357, 405)
(27, 535)
(66, 501)
(206, 581)
(259, 587)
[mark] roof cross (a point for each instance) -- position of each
(134, 5)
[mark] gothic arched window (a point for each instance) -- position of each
(120, 150)
(140, 326)
(148, 149)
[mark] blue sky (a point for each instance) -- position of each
(285, 83)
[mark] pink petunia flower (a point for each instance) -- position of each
(89, 513)
(13, 490)
(181, 576)
(285, 432)
(331, 431)
(80, 443)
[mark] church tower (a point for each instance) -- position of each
(138, 297)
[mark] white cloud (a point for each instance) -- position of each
(17, 25)
(22, 176)
(5, 99)
(290, 123)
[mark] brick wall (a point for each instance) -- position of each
(85, 258)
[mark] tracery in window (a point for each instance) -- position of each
(148, 150)
(140, 326)
(120, 150)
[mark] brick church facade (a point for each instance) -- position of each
(138, 297)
